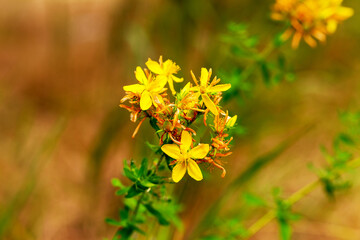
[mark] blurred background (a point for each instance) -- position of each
(63, 137)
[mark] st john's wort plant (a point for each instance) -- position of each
(172, 117)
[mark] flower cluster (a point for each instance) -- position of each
(172, 115)
(310, 19)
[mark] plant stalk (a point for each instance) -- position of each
(297, 196)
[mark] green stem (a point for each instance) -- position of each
(297, 196)
(269, 216)
(302, 192)
(249, 69)
(259, 224)
(133, 217)
(143, 193)
(159, 163)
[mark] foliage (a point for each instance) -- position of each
(146, 197)
(244, 49)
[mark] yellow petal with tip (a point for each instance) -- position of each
(194, 170)
(219, 88)
(200, 151)
(145, 100)
(178, 171)
(171, 85)
(172, 150)
(134, 88)
(331, 26)
(154, 67)
(204, 77)
(209, 104)
(176, 79)
(140, 75)
(186, 141)
(344, 13)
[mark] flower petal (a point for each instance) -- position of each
(344, 13)
(154, 66)
(200, 151)
(195, 89)
(158, 84)
(172, 150)
(204, 77)
(219, 88)
(185, 90)
(194, 170)
(331, 26)
(140, 75)
(178, 171)
(176, 79)
(209, 104)
(310, 41)
(171, 85)
(186, 141)
(145, 100)
(134, 88)
(231, 121)
(296, 40)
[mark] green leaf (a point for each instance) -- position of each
(344, 138)
(278, 41)
(265, 73)
(153, 123)
(133, 167)
(130, 203)
(116, 183)
(113, 222)
(129, 174)
(143, 168)
(147, 184)
(135, 228)
(290, 77)
(124, 213)
(157, 214)
(285, 230)
(154, 148)
(125, 233)
(254, 200)
(156, 179)
(122, 191)
(133, 191)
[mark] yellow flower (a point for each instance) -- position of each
(187, 100)
(204, 88)
(185, 157)
(166, 69)
(149, 89)
(310, 19)
(231, 121)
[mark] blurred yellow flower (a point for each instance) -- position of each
(310, 19)
(166, 69)
(149, 90)
(185, 156)
(204, 88)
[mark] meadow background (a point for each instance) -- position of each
(63, 137)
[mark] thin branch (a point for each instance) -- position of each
(297, 196)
